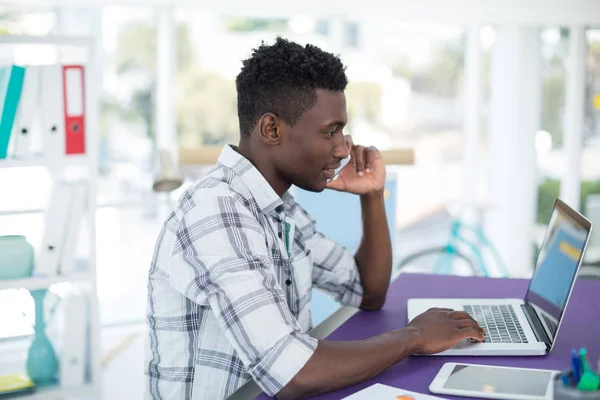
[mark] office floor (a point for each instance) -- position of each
(123, 358)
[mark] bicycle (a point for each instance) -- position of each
(466, 243)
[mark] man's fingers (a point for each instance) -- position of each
(473, 333)
(371, 154)
(359, 159)
(336, 184)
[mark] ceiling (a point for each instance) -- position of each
(522, 12)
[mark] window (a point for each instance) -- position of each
(590, 167)
(27, 20)
(129, 213)
(549, 141)
(406, 90)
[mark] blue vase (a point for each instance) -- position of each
(16, 257)
(42, 364)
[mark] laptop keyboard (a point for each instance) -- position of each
(500, 323)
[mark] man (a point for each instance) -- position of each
(230, 283)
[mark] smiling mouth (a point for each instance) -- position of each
(329, 173)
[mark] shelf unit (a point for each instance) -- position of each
(55, 392)
(56, 166)
(40, 161)
(35, 283)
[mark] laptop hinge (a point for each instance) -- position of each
(536, 325)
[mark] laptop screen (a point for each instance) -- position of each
(558, 260)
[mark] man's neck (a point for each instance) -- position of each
(264, 166)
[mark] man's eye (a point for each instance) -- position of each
(331, 134)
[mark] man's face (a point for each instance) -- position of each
(314, 146)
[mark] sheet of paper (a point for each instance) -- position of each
(384, 392)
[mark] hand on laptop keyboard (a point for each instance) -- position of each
(438, 329)
(499, 321)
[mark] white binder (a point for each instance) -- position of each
(52, 111)
(73, 225)
(55, 227)
(74, 354)
(25, 126)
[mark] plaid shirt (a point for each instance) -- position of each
(229, 287)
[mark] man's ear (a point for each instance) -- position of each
(270, 129)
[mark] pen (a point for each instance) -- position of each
(576, 364)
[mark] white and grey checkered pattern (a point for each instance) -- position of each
(227, 300)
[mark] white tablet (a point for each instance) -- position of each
(491, 382)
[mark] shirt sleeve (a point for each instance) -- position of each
(221, 260)
(334, 268)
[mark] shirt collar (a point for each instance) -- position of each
(266, 198)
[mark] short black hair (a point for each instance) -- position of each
(281, 78)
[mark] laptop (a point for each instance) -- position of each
(528, 326)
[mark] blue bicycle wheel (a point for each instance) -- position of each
(440, 261)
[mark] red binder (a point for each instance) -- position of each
(74, 106)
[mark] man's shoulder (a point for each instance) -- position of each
(220, 181)
(218, 184)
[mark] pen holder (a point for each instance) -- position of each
(562, 392)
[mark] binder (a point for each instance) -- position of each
(74, 108)
(24, 127)
(73, 225)
(52, 111)
(10, 86)
(74, 352)
(55, 227)
(15, 384)
(4, 80)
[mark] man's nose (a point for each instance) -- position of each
(341, 151)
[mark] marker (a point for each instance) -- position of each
(588, 382)
(565, 379)
(576, 364)
(585, 366)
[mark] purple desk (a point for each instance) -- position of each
(581, 328)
